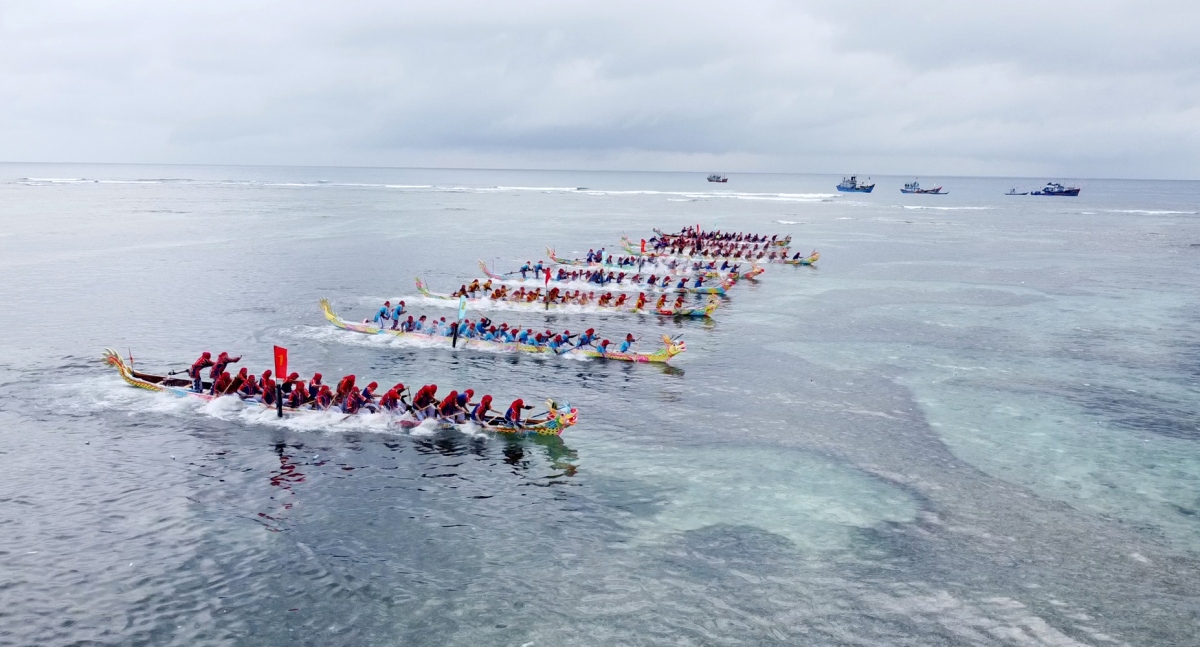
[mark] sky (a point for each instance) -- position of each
(1067, 89)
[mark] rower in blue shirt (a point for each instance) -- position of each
(699, 280)
(603, 347)
(525, 268)
(396, 313)
(384, 314)
(682, 282)
(627, 343)
(586, 338)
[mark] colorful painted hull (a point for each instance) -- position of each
(670, 348)
(706, 311)
(553, 423)
(610, 287)
(808, 260)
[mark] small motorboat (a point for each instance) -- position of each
(852, 185)
(1054, 188)
(717, 178)
(1013, 191)
(915, 187)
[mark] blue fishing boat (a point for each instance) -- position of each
(1054, 188)
(852, 185)
(915, 187)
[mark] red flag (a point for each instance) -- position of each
(643, 245)
(281, 362)
(547, 277)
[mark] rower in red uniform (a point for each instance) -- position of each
(481, 409)
(249, 388)
(204, 361)
(343, 388)
(220, 383)
(513, 415)
(223, 360)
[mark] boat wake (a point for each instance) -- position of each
(112, 394)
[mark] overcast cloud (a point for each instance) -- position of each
(1064, 89)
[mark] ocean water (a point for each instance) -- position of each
(976, 422)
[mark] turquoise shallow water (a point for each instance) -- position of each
(976, 422)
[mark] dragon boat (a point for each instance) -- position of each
(539, 303)
(653, 265)
(719, 290)
(630, 249)
(671, 347)
(766, 243)
(807, 260)
(552, 423)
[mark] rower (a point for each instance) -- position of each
(627, 343)
(390, 400)
(602, 348)
(481, 409)
(352, 402)
(324, 398)
(368, 394)
(525, 268)
(397, 313)
(449, 406)
(204, 361)
(586, 338)
(513, 415)
(219, 384)
(236, 385)
(249, 387)
(314, 386)
(223, 360)
(662, 301)
(344, 387)
(678, 303)
(384, 314)
(267, 386)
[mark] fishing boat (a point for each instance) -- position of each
(717, 178)
(672, 346)
(852, 185)
(539, 303)
(618, 286)
(553, 422)
(1013, 191)
(1054, 188)
(915, 187)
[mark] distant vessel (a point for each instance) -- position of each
(1054, 188)
(915, 187)
(851, 185)
(717, 178)
(1013, 191)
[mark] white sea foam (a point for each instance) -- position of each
(789, 222)
(911, 206)
(110, 393)
(1153, 212)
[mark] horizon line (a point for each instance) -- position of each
(552, 170)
